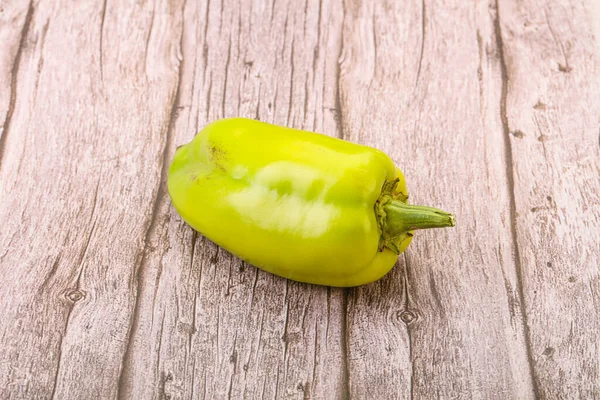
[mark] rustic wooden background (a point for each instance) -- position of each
(490, 107)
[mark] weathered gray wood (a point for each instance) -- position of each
(552, 65)
(94, 89)
(447, 322)
(492, 114)
(220, 328)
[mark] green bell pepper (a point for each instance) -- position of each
(298, 204)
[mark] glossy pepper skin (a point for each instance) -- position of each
(301, 205)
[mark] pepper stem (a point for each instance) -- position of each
(402, 217)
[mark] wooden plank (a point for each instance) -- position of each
(106, 293)
(208, 325)
(447, 322)
(551, 57)
(94, 89)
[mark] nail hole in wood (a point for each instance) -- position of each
(564, 68)
(518, 134)
(549, 351)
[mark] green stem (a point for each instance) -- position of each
(402, 217)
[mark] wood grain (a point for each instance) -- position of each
(488, 107)
(80, 174)
(552, 63)
(14, 20)
(222, 328)
(448, 321)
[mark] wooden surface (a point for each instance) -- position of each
(491, 110)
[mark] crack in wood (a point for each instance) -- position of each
(192, 397)
(239, 39)
(272, 12)
(140, 268)
(84, 253)
(436, 295)
(102, 18)
(260, 332)
(345, 344)
(306, 93)
(205, 380)
(374, 34)
(316, 50)
(315, 352)
(59, 357)
(208, 96)
(511, 190)
(155, 291)
(285, 321)
(407, 305)
(193, 330)
(276, 385)
(49, 276)
(304, 311)
(157, 375)
(221, 17)
(227, 291)
(423, 24)
(256, 272)
(291, 94)
(338, 117)
(40, 62)
(148, 39)
(205, 44)
(218, 335)
(233, 360)
(480, 78)
(223, 114)
(257, 115)
(328, 303)
(561, 67)
(13, 83)
(194, 310)
(305, 14)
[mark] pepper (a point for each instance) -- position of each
(298, 204)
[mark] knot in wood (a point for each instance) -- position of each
(75, 295)
(407, 316)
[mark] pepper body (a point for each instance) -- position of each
(298, 204)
